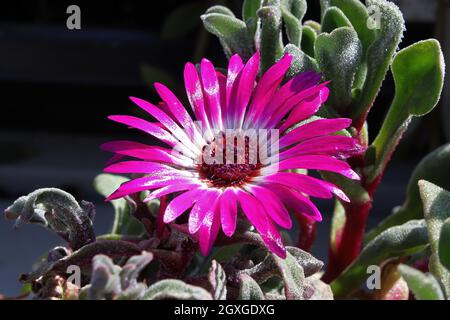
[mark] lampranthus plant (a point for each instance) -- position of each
(245, 158)
(216, 169)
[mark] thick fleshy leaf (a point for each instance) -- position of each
(309, 37)
(175, 289)
(293, 276)
(389, 31)
(339, 55)
(358, 16)
(270, 42)
(436, 209)
(444, 248)
(231, 32)
(334, 18)
(58, 211)
(301, 61)
(398, 241)
(249, 289)
(249, 9)
(419, 77)
(423, 285)
(105, 184)
(293, 12)
(218, 280)
(433, 168)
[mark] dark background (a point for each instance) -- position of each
(58, 86)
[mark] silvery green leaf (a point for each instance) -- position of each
(270, 41)
(433, 168)
(133, 267)
(309, 36)
(175, 289)
(232, 33)
(249, 9)
(334, 18)
(444, 247)
(249, 288)
(218, 280)
(315, 289)
(398, 241)
(292, 275)
(339, 55)
(301, 62)
(423, 285)
(58, 211)
(436, 209)
(417, 69)
(389, 26)
(293, 12)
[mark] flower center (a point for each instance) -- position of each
(227, 165)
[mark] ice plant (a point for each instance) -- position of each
(236, 107)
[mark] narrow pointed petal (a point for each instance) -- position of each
(170, 189)
(181, 204)
(146, 152)
(211, 93)
(209, 230)
(306, 184)
(243, 88)
(228, 211)
(313, 162)
(201, 209)
(313, 129)
(296, 202)
(274, 207)
(257, 215)
(146, 167)
(266, 88)
(235, 66)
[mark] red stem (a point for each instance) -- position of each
(308, 232)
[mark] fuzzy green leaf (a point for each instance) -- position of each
(423, 285)
(334, 18)
(231, 32)
(379, 54)
(339, 55)
(436, 209)
(418, 72)
(293, 12)
(398, 241)
(433, 168)
(177, 290)
(270, 42)
(309, 37)
(249, 9)
(249, 288)
(301, 62)
(444, 247)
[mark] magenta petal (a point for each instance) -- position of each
(243, 88)
(176, 108)
(146, 127)
(266, 88)
(180, 204)
(209, 230)
(170, 189)
(145, 183)
(143, 167)
(306, 184)
(305, 109)
(202, 207)
(146, 152)
(313, 129)
(296, 202)
(294, 87)
(333, 145)
(211, 93)
(194, 92)
(228, 211)
(235, 66)
(313, 162)
(274, 207)
(257, 215)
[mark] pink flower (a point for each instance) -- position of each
(262, 189)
